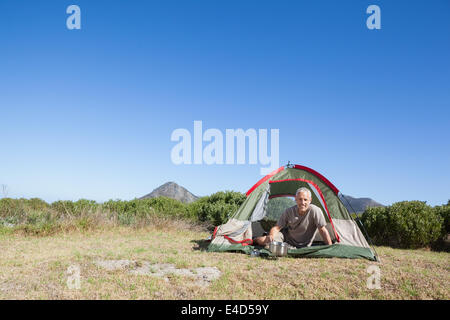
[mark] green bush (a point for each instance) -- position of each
(15, 211)
(11, 208)
(37, 204)
(217, 207)
(35, 214)
(129, 212)
(375, 220)
(77, 208)
(407, 224)
(194, 208)
(444, 213)
(63, 207)
(167, 206)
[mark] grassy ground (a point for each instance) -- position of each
(36, 268)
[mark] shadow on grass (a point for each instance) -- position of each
(201, 245)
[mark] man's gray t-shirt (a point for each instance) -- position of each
(301, 230)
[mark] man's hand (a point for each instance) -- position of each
(273, 232)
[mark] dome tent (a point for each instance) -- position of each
(237, 233)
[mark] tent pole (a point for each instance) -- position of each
(363, 228)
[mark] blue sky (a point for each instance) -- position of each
(89, 113)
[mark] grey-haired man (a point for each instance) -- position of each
(298, 224)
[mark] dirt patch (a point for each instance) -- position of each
(207, 274)
(112, 265)
(203, 276)
(11, 286)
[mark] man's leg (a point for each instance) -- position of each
(261, 241)
(265, 240)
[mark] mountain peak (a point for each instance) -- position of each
(358, 204)
(172, 190)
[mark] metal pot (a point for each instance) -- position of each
(279, 249)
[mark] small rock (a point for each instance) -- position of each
(204, 275)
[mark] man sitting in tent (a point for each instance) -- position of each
(298, 224)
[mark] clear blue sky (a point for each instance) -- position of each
(89, 113)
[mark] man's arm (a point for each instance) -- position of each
(273, 232)
(265, 240)
(325, 235)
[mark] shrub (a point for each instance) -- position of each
(16, 211)
(167, 206)
(407, 224)
(85, 206)
(217, 207)
(127, 212)
(35, 214)
(63, 207)
(194, 208)
(130, 212)
(12, 209)
(77, 208)
(375, 220)
(37, 204)
(444, 213)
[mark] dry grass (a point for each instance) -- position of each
(36, 268)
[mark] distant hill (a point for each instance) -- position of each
(359, 205)
(172, 190)
(278, 205)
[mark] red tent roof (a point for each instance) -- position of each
(299, 167)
